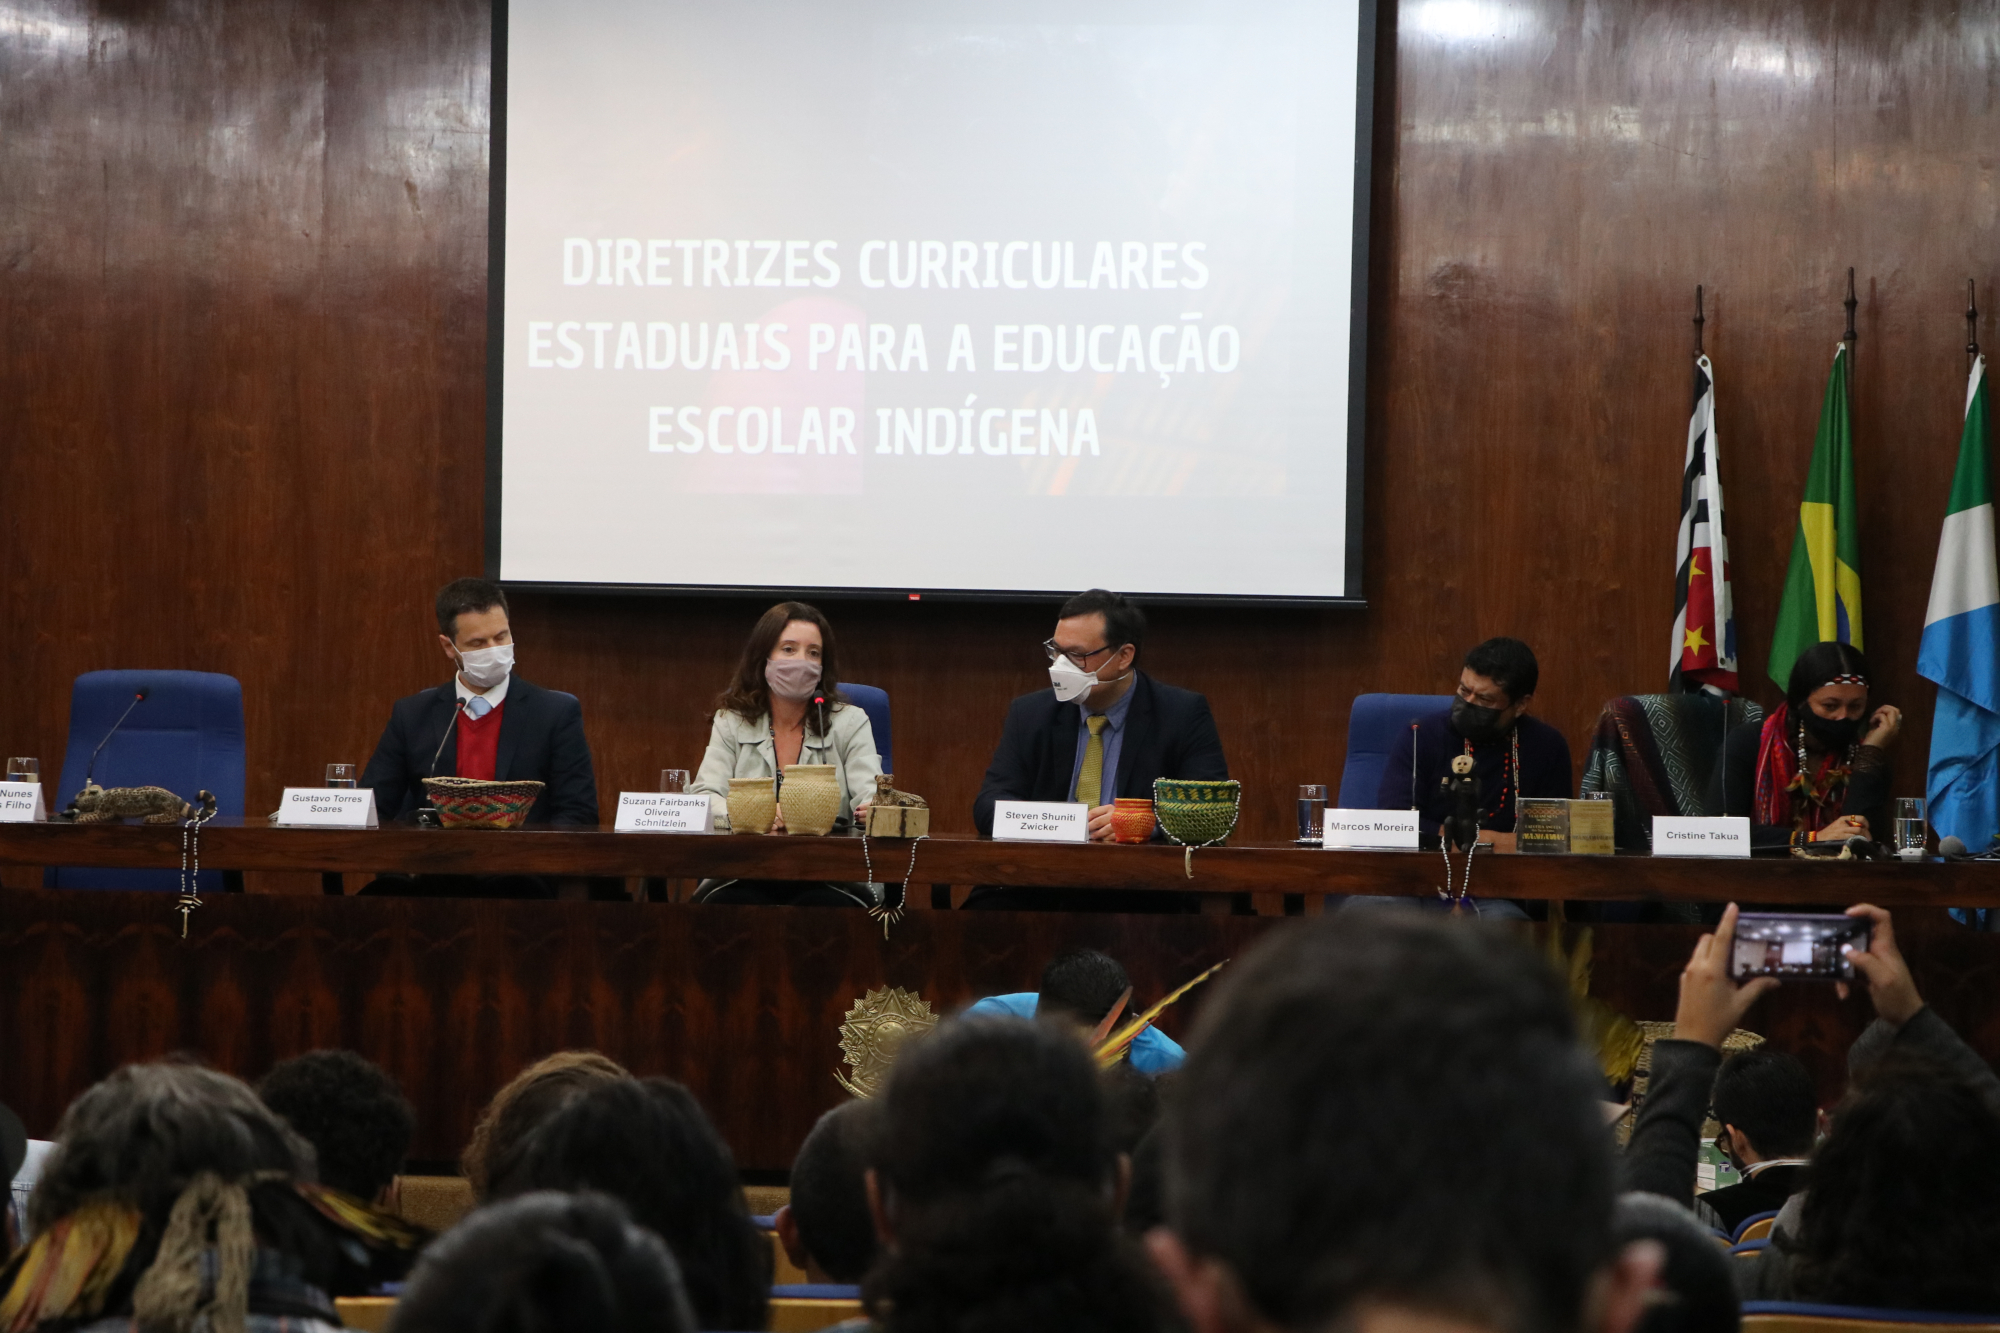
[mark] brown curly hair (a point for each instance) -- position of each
(517, 1110)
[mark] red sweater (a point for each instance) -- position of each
(479, 744)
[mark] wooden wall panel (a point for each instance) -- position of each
(242, 311)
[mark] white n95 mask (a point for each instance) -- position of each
(483, 668)
(1071, 681)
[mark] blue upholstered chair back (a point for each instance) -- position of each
(187, 736)
(875, 703)
(1373, 728)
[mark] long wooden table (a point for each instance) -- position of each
(1268, 869)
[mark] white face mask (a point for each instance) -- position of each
(1072, 682)
(483, 668)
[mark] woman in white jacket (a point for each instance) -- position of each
(784, 707)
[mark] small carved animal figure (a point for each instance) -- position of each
(886, 795)
(95, 805)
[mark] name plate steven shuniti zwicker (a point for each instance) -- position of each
(327, 807)
(1041, 821)
(21, 803)
(1721, 835)
(1368, 828)
(663, 812)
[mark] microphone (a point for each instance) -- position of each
(1952, 848)
(1413, 765)
(138, 697)
(427, 813)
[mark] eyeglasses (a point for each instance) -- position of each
(1049, 647)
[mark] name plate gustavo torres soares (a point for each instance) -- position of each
(327, 807)
(1721, 835)
(663, 812)
(21, 803)
(1369, 828)
(1041, 821)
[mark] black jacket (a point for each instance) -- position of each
(1168, 734)
(541, 739)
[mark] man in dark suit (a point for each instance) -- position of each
(1103, 730)
(485, 723)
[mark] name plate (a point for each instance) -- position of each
(663, 812)
(1369, 828)
(1041, 821)
(1724, 835)
(21, 803)
(327, 807)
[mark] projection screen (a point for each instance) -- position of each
(953, 297)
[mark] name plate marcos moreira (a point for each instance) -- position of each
(21, 803)
(1722, 835)
(327, 807)
(663, 812)
(1369, 828)
(1041, 821)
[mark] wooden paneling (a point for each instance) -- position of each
(242, 312)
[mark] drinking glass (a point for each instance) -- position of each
(673, 779)
(1910, 828)
(340, 775)
(1312, 813)
(23, 768)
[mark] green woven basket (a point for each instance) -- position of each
(1197, 814)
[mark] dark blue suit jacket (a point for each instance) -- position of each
(541, 739)
(1545, 769)
(1168, 734)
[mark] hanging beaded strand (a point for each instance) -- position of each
(1510, 774)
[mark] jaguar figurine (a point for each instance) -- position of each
(96, 805)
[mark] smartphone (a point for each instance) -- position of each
(1800, 946)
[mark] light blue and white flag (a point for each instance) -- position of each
(1961, 645)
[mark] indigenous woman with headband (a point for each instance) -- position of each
(784, 708)
(1816, 769)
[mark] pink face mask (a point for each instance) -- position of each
(793, 678)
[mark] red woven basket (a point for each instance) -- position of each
(480, 803)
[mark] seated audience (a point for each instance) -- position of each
(767, 721)
(517, 1110)
(996, 1192)
(546, 1262)
(1080, 986)
(1697, 1292)
(1106, 729)
(826, 1228)
(1388, 1123)
(1816, 769)
(1769, 1113)
(648, 1144)
(1901, 1205)
(173, 1196)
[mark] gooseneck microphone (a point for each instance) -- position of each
(138, 698)
(450, 727)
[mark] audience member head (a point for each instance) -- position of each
(1391, 1122)
(790, 632)
(1131, 1105)
(1146, 1200)
(1902, 1203)
(649, 1144)
(996, 1191)
(826, 1229)
(535, 1094)
(545, 1262)
(1697, 1292)
(1766, 1105)
(1081, 985)
(352, 1113)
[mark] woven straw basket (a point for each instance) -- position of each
(480, 803)
(811, 798)
(1197, 814)
(752, 806)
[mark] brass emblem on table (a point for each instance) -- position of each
(875, 1029)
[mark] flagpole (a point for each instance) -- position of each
(1699, 319)
(1971, 327)
(1849, 338)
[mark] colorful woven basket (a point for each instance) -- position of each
(1197, 814)
(480, 803)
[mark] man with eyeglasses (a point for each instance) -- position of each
(1103, 730)
(1513, 754)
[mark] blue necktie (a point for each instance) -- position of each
(477, 707)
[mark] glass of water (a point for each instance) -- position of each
(673, 779)
(1312, 813)
(340, 775)
(23, 768)
(1910, 830)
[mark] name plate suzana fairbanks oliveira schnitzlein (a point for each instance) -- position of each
(1719, 835)
(1041, 821)
(663, 812)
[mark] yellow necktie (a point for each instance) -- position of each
(1092, 776)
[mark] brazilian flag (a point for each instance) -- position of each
(1823, 586)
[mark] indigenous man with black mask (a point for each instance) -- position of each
(1513, 755)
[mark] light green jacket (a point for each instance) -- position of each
(739, 749)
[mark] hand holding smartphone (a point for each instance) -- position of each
(1796, 946)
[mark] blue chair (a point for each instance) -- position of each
(1809, 1317)
(875, 703)
(1374, 726)
(1736, 1237)
(187, 736)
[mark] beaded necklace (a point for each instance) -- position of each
(1510, 773)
